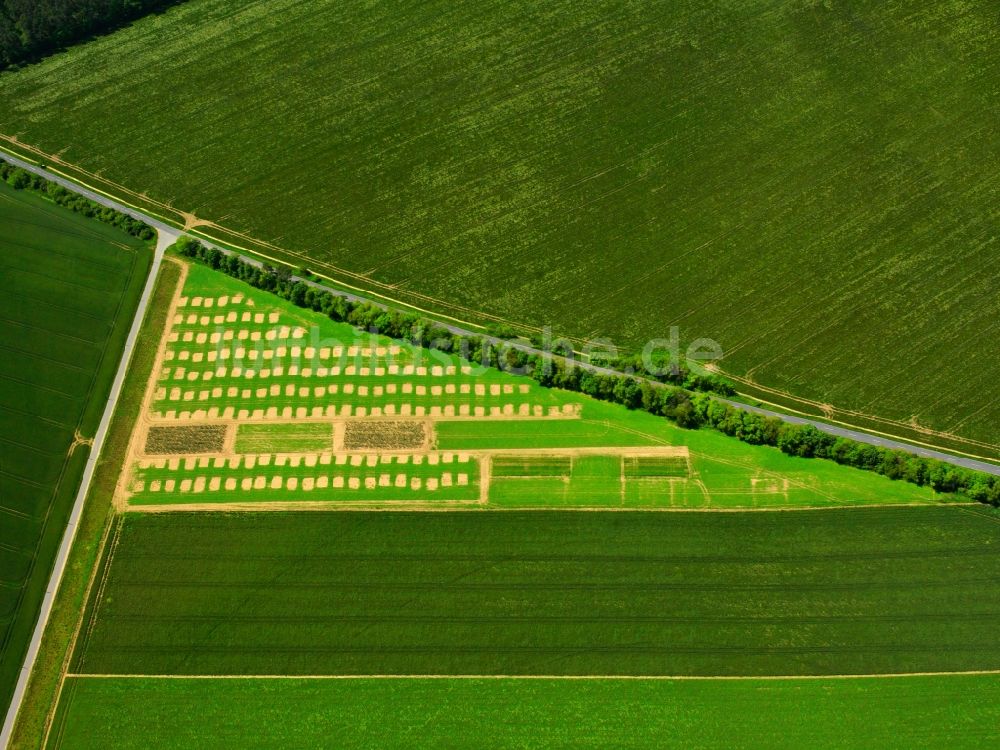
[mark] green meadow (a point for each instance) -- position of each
(147, 714)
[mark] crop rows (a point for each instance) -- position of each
(656, 466)
(852, 591)
(311, 477)
(677, 139)
(69, 286)
(199, 438)
(531, 466)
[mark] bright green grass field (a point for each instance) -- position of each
(281, 438)
(70, 287)
(813, 185)
(724, 472)
(914, 712)
(846, 591)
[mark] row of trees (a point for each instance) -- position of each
(20, 179)
(680, 405)
(30, 29)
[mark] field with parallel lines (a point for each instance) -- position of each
(829, 592)
(147, 714)
(69, 288)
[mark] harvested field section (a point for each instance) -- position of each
(298, 437)
(243, 354)
(185, 439)
(838, 592)
(386, 436)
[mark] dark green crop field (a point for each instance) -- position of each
(912, 712)
(851, 591)
(68, 288)
(813, 185)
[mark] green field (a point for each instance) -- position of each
(281, 438)
(914, 712)
(848, 591)
(287, 374)
(806, 183)
(70, 287)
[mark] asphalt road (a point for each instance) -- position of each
(860, 436)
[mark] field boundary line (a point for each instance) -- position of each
(62, 556)
(476, 506)
(581, 677)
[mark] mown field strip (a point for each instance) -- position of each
(692, 678)
(955, 711)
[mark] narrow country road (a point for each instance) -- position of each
(166, 236)
(858, 435)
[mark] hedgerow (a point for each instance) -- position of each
(21, 179)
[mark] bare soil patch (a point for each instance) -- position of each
(185, 439)
(384, 435)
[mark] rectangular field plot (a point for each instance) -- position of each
(301, 437)
(640, 467)
(514, 466)
(384, 435)
(182, 439)
(317, 477)
(954, 711)
(583, 478)
(70, 286)
(850, 591)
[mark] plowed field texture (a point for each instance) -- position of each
(69, 289)
(816, 186)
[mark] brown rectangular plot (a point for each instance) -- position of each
(185, 439)
(380, 435)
